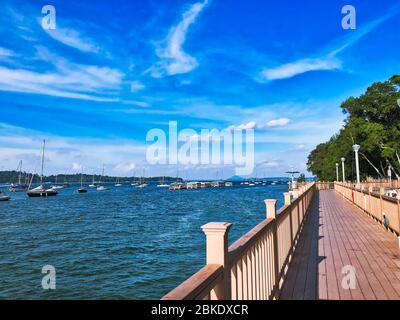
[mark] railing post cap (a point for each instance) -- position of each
(216, 227)
(273, 201)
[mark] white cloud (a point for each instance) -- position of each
(69, 80)
(137, 86)
(73, 38)
(125, 167)
(278, 122)
(245, 126)
(4, 52)
(290, 70)
(174, 60)
(64, 154)
(77, 167)
(136, 103)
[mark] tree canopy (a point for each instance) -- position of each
(373, 122)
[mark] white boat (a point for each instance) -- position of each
(117, 184)
(101, 187)
(4, 197)
(41, 191)
(93, 184)
(162, 184)
(142, 185)
(56, 188)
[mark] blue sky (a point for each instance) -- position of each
(110, 72)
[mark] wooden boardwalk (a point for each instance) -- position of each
(337, 234)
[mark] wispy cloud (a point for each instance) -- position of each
(244, 126)
(278, 123)
(74, 39)
(174, 60)
(68, 80)
(137, 86)
(327, 59)
(4, 52)
(292, 69)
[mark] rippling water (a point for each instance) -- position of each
(124, 243)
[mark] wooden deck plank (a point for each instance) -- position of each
(335, 234)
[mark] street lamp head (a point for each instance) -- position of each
(343, 159)
(337, 164)
(356, 147)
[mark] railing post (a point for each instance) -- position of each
(217, 253)
(270, 206)
(288, 198)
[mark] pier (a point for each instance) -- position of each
(307, 249)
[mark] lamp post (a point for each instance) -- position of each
(390, 175)
(356, 147)
(337, 172)
(344, 176)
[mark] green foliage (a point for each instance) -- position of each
(12, 176)
(373, 122)
(302, 178)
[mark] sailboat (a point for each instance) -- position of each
(93, 185)
(141, 185)
(82, 189)
(56, 186)
(41, 191)
(162, 184)
(101, 187)
(117, 184)
(18, 187)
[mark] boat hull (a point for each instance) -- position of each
(4, 198)
(45, 193)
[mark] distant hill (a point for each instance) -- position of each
(12, 176)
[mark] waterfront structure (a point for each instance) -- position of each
(300, 251)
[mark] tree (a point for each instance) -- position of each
(373, 122)
(301, 178)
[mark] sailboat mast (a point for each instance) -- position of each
(20, 171)
(41, 176)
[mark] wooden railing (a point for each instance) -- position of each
(322, 185)
(372, 200)
(253, 267)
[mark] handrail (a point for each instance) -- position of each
(382, 208)
(199, 285)
(255, 265)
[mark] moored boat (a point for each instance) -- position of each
(41, 190)
(4, 197)
(18, 187)
(82, 189)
